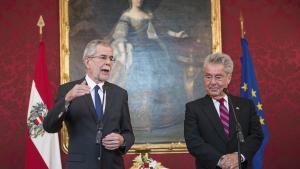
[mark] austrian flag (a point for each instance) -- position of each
(42, 148)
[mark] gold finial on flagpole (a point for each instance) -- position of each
(242, 25)
(41, 24)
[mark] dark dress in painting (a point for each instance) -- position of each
(152, 77)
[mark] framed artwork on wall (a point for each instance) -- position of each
(159, 46)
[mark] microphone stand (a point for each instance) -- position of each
(239, 133)
(100, 125)
(240, 139)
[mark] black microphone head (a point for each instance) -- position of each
(104, 87)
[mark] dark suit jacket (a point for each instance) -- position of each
(81, 121)
(205, 136)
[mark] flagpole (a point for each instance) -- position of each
(248, 86)
(242, 26)
(42, 148)
(239, 134)
(41, 24)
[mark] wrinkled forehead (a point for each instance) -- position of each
(104, 50)
(214, 68)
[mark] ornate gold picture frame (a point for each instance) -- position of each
(183, 42)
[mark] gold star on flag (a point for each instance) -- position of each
(261, 120)
(259, 106)
(244, 87)
(253, 92)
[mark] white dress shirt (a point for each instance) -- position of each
(217, 104)
(102, 94)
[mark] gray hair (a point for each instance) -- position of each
(90, 48)
(220, 58)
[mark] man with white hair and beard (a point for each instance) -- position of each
(96, 114)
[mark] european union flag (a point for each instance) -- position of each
(249, 89)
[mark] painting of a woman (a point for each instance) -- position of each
(145, 68)
(158, 46)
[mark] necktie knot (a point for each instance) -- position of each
(221, 101)
(96, 88)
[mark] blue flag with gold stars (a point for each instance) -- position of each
(249, 89)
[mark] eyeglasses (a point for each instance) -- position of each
(218, 77)
(104, 58)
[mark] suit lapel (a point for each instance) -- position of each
(214, 118)
(232, 124)
(89, 102)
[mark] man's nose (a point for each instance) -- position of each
(108, 61)
(213, 80)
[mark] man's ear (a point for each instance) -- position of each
(85, 62)
(229, 79)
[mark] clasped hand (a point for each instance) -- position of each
(229, 161)
(112, 141)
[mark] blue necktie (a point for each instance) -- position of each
(98, 104)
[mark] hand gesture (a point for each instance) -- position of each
(77, 91)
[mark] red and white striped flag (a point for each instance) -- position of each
(42, 148)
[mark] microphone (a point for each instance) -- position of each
(238, 125)
(104, 87)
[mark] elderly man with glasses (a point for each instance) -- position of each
(96, 114)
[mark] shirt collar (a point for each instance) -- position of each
(92, 84)
(225, 98)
